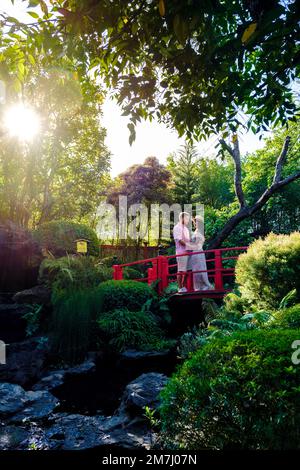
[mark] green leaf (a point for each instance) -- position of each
(44, 7)
(33, 14)
(31, 59)
(21, 68)
(12, 19)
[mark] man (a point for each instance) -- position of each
(181, 236)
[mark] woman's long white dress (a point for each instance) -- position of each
(198, 263)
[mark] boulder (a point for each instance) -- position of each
(57, 377)
(134, 354)
(81, 369)
(146, 361)
(51, 381)
(36, 295)
(141, 392)
(12, 399)
(79, 432)
(25, 362)
(13, 324)
(13, 437)
(16, 405)
(39, 405)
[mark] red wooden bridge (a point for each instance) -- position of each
(162, 270)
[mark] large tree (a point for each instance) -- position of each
(194, 65)
(148, 184)
(183, 166)
(280, 179)
(61, 174)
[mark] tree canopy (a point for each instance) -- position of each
(62, 173)
(191, 64)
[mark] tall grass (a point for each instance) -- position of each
(74, 321)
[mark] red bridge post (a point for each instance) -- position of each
(152, 272)
(162, 273)
(118, 272)
(218, 270)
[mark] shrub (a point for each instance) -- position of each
(110, 261)
(74, 322)
(73, 272)
(287, 318)
(120, 294)
(270, 269)
(236, 392)
(59, 237)
(234, 303)
(131, 273)
(124, 329)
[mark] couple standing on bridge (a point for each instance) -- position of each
(186, 244)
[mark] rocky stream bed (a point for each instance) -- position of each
(94, 404)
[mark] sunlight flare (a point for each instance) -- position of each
(22, 121)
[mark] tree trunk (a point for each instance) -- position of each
(246, 211)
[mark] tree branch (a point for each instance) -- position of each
(281, 160)
(245, 211)
(236, 156)
(226, 146)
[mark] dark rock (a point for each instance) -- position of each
(55, 379)
(12, 399)
(13, 324)
(76, 432)
(133, 354)
(81, 369)
(73, 432)
(141, 392)
(58, 377)
(39, 405)
(25, 362)
(147, 361)
(13, 437)
(36, 295)
(17, 405)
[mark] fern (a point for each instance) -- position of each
(124, 329)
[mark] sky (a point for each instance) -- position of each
(153, 139)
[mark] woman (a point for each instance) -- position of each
(198, 261)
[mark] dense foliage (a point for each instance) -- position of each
(59, 237)
(73, 272)
(236, 392)
(124, 329)
(129, 294)
(192, 65)
(270, 269)
(287, 318)
(62, 172)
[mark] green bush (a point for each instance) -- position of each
(59, 237)
(236, 392)
(73, 272)
(124, 329)
(131, 273)
(111, 260)
(125, 294)
(270, 269)
(287, 318)
(234, 303)
(73, 327)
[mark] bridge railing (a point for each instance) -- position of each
(163, 270)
